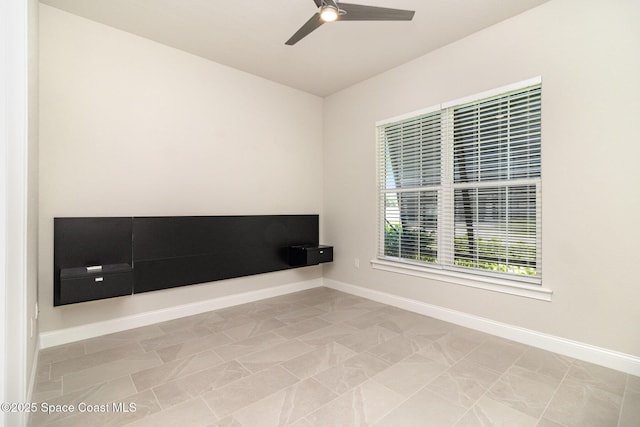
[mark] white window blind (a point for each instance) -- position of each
(459, 187)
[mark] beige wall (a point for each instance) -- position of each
(587, 53)
(132, 127)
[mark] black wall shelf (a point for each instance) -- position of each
(302, 255)
(141, 254)
(81, 284)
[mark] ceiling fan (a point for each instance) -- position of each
(329, 11)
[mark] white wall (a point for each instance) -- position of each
(132, 127)
(587, 53)
(18, 200)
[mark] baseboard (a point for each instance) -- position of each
(91, 330)
(578, 350)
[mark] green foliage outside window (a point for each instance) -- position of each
(420, 245)
(412, 243)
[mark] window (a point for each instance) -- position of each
(459, 185)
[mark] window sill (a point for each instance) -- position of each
(474, 281)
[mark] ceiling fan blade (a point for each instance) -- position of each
(358, 12)
(313, 23)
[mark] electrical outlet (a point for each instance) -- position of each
(356, 262)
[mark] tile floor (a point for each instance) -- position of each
(323, 358)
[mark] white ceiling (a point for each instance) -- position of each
(249, 35)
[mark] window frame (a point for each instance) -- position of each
(516, 284)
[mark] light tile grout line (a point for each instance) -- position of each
(404, 400)
(212, 410)
(564, 377)
(488, 388)
(419, 390)
(498, 380)
(624, 395)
